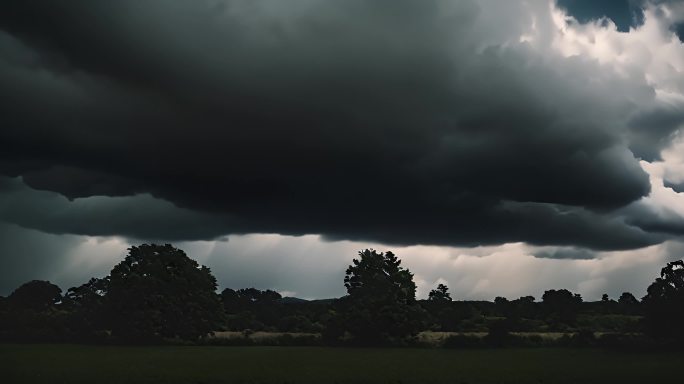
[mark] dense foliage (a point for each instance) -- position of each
(381, 305)
(664, 303)
(157, 293)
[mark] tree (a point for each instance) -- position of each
(502, 305)
(36, 295)
(561, 305)
(87, 295)
(255, 308)
(627, 299)
(157, 292)
(525, 307)
(381, 303)
(664, 303)
(378, 277)
(232, 302)
(86, 305)
(442, 314)
(32, 313)
(440, 294)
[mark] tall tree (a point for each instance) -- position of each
(440, 294)
(157, 291)
(381, 305)
(664, 303)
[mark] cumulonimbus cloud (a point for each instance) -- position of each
(461, 123)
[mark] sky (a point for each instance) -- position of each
(501, 148)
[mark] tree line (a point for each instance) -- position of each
(158, 294)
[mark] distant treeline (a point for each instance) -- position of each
(158, 294)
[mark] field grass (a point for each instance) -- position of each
(175, 364)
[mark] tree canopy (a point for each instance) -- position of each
(36, 294)
(157, 291)
(440, 294)
(562, 305)
(664, 302)
(381, 302)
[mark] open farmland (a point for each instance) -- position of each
(108, 364)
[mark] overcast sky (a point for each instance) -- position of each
(500, 147)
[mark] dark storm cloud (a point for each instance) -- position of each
(139, 217)
(664, 220)
(145, 218)
(350, 119)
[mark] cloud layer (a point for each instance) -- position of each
(459, 123)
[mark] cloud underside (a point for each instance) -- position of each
(467, 123)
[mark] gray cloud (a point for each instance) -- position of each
(663, 220)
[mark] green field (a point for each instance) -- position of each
(105, 364)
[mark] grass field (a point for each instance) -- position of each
(106, 364)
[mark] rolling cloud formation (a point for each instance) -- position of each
(417, 122)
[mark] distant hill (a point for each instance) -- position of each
(297, 300)
(293, 300)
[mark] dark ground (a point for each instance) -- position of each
(175, 364)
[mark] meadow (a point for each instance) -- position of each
(55, 363)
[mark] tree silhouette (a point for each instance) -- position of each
(157, 291)
(379, 277)
(440, 294)
(561, 305)
(36, 295)
(381, 305)
(502, 305)
(627, 299)
(525, 307)
(252, 308)
(664, 303)
(32, 314)
(87, 306)
(442, 314)
(232, 302)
